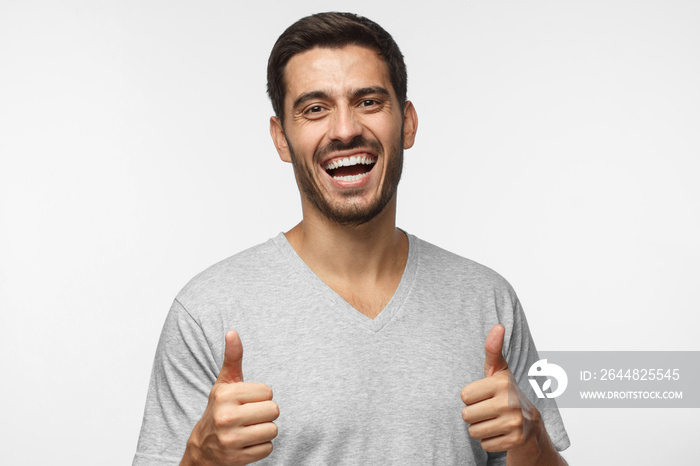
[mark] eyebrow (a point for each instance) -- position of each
(324, 95)
(370, 90)
(309, 96)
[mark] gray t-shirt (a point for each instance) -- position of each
(351, 390)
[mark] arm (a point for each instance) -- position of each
(236, 427)
(194, 403)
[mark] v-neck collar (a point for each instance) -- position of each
(347, 310)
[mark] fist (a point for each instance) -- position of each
(497, 411)
(236, 427)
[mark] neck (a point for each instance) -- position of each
(368, 252)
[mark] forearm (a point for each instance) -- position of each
(538, 450)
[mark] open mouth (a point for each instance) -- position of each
(350, 168)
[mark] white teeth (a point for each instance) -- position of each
(349, 161)
(350, 177)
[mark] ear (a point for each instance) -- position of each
(410, 125)
(280, 141)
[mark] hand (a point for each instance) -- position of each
(236, 427)
(499, 414)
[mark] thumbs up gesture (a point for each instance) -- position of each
(236, 427)
(497, 411)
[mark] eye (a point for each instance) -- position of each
(370, 105)
(314, 111)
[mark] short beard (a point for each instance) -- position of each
(353, 215)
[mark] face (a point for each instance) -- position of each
(344, 132)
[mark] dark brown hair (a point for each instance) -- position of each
(333, 30)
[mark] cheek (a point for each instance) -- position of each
(305, 142)
(385, 130)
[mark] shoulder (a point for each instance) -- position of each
(468, 293)
(437, 262)
(237, 274)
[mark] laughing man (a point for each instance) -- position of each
(381, 349)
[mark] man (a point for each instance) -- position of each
(380, 348)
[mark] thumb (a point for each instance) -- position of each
(231, 371)
(494, 360)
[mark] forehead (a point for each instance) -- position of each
(335, 71)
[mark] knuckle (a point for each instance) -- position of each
(230, 440)
(215, 394)
(518, 439)
(220, 394)
(224, 418)
(220, 420)
(516, 423)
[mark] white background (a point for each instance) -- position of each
(558, 143)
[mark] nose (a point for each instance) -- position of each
(344, 125)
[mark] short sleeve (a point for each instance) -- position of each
(521, 354)
(184, 371)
